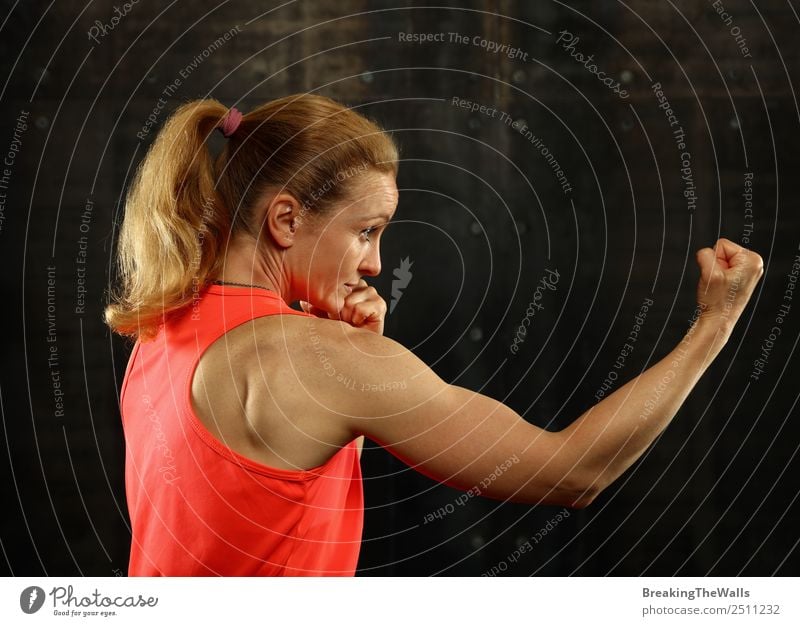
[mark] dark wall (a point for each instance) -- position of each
(483, 215)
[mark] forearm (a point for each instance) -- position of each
(610, 436)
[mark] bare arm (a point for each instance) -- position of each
(471, 441)
(370, 385)
(611, 435)
(375, 387)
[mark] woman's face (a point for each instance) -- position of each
(343, 246)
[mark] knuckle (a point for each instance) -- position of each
(756, 260)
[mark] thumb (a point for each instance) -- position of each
(706, 260)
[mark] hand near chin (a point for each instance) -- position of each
(363, 308)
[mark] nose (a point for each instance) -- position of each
(371, 263)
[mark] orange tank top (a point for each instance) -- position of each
(198, 508)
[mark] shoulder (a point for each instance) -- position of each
(307, 337)
(340, 366)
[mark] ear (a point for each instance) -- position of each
(283, 214)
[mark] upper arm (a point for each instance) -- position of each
(376, 387)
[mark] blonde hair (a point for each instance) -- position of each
(182, 209)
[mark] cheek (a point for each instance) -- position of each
(348, 255)
(336, 261)
(356, 251)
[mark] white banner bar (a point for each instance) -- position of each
(399, 601)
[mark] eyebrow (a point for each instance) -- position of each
(385, 216)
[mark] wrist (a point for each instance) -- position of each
(710, 333)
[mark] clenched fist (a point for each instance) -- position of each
(728, 275)
(363, 308)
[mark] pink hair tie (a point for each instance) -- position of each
(230, 122)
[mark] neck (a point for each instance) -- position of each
(246, 263)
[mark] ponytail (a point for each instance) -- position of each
(175, 224)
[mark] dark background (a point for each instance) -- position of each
(481, 216)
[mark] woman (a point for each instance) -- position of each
(244, 417)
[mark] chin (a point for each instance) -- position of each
(331, 302)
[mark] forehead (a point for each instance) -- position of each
(375, 195)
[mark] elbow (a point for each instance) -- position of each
(576, 491)
(569, 497)
(580, 498)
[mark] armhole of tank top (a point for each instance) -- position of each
(230, 454)
(125, 377)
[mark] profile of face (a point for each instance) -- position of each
(329, 254)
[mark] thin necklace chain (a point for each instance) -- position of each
(226, 282)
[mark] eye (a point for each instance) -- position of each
(368, 231)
